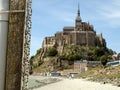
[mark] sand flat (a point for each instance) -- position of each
(77, 84)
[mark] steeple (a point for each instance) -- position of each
(78, 21)
(78, 18)
(78, 10)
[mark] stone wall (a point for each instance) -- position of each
(15, 45)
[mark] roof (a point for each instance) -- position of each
(69, 27)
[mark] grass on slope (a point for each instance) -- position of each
(101, 73)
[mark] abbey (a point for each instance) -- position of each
(82, 34)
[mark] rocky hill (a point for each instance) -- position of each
(53, 61)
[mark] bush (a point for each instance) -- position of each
(38, 51)
(52, 52)
(40, 62)
(103, 60)
(77, 57)
(63, 57)
(71, 57)
(32, 57)
(99, 51)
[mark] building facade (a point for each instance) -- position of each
(80, 66)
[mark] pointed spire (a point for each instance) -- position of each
(78, 9)
(78, 18)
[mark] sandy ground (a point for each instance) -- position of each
(78, 84)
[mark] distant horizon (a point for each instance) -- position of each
(51, 16)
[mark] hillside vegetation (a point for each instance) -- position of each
(53, 60)
(100, 74)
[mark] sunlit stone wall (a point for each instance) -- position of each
(15, 45)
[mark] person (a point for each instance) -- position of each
(70, 76)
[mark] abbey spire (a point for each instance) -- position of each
(78, 21)
(78, 9)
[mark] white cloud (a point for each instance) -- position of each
(108, 13)
(112, 13)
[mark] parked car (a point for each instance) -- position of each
(113, 63)
(55, 74)
(72, 74)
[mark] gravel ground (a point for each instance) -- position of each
(39, 81)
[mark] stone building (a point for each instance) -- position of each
(82, 34)
(80, 66)
(49, 42)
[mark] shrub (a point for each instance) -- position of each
(52, 52)
(99, 51)
(63, 57)
(32, 57)
(77, 57)
(40, 62)
(38, 51)
(71, 57)
(103, 60)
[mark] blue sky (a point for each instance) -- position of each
(50, 16)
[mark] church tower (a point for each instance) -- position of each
(78, 21)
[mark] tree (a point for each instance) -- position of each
(70, 57)
(38, 51)
(77, 56)
(63, 57)
(103, 60)
(118, 56)
(109, 57)
(52, 52)
(110, 51)
(32, 57)
(99, 51)
(40, 62)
